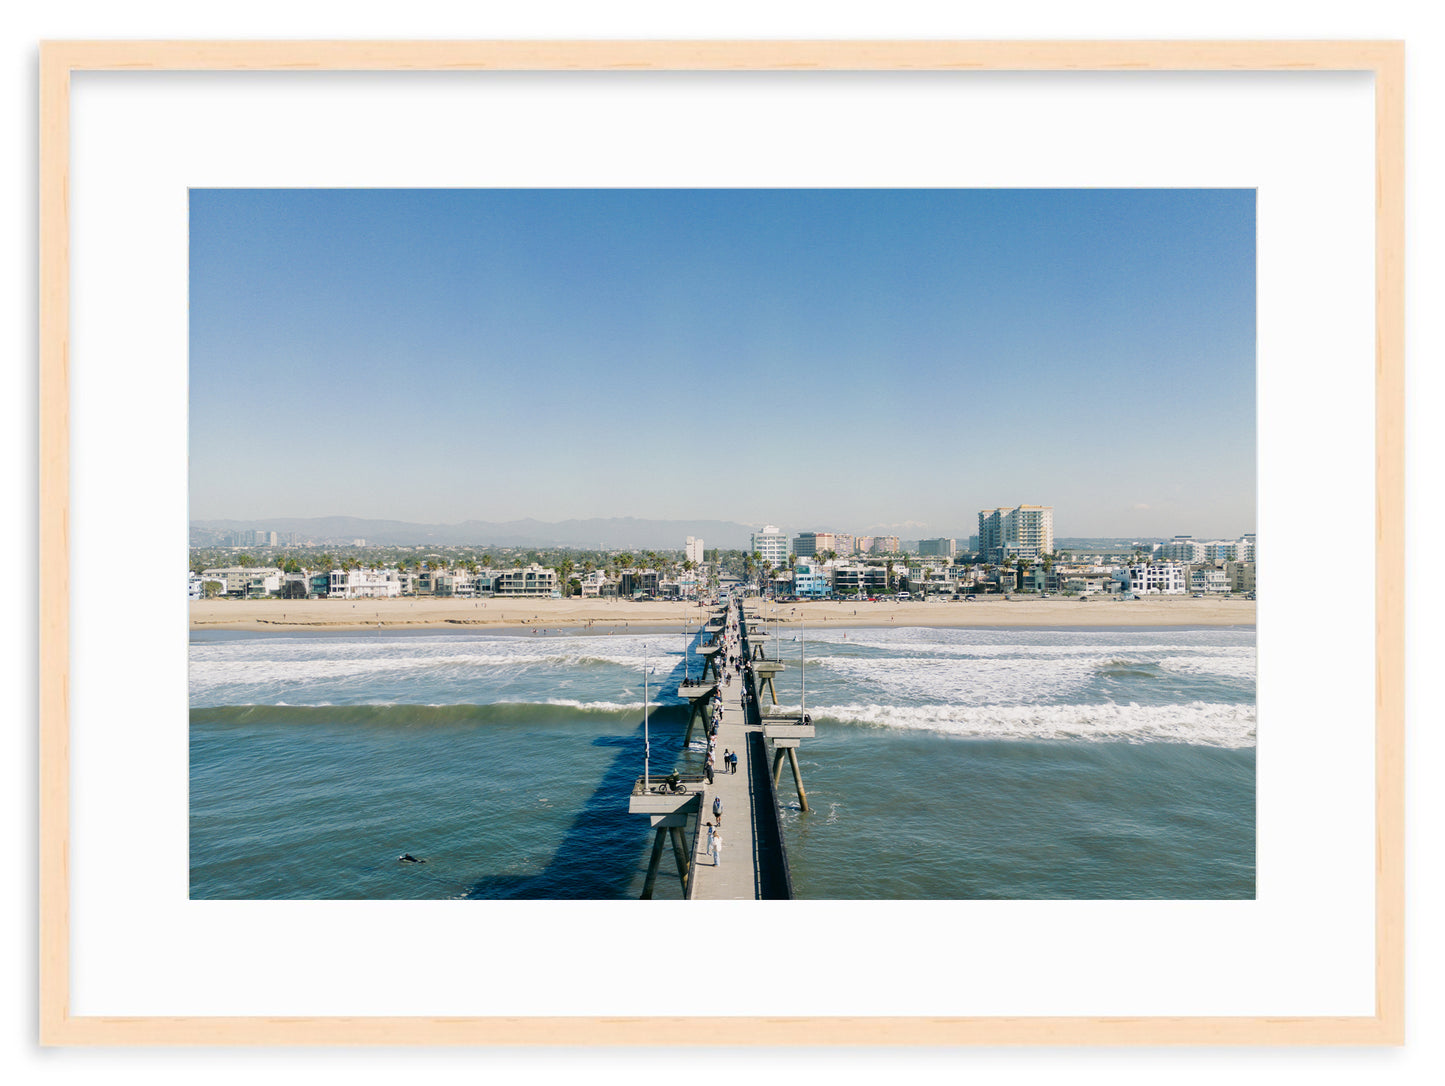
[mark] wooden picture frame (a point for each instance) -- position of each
(58, 60)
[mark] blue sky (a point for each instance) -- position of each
(856, 360)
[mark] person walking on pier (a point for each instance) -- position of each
(711, 844)
(717, 844)
(733, 761)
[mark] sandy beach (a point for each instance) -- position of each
(510, 614)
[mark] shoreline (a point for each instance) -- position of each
(409, 613)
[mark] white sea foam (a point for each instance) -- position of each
(1233, 667)
(611, 706)
(1198, 723)
(948, 680)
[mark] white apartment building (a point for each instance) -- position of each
(1026, 531)
(772, 544)
(245, 580)
(595, 583)
(1244, 551)
(693, 551)
(1208, 579)
(1182, 548)
(1157, 579)
(363, 584)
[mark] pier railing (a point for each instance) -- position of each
(657, 784)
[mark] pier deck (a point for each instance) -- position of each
(735, 876)
(752, 864)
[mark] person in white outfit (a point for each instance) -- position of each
(717, 847)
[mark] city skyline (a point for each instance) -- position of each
(887, 361)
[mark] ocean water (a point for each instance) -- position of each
(977, 763)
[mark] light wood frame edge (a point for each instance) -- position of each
(1385, 59)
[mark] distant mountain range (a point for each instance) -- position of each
(611, 533)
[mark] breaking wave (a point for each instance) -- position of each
(1197, 723)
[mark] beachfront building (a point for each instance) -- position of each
(1239, 576)
(196, 588)
(1026, 531)
(810, 580)
(534, 580)
(1155, 579)
(932, 548)
(462, 582)
(1085, 584)
(772, 545)
(596, 584)
(685, 586)
(363, 584)
(692, 552)
(930, 579)
(857, 578)
(1208, 578)
(248, 582)
(640, 582)
(1244, 548)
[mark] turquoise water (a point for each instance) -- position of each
(948, 763)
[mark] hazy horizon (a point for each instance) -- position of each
(659, 534)
(877, 362)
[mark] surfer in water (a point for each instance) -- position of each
(408, 858)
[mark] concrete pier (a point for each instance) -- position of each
(753, 862)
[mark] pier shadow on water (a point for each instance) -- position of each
(605, 848)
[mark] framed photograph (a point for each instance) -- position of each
(654, 505)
